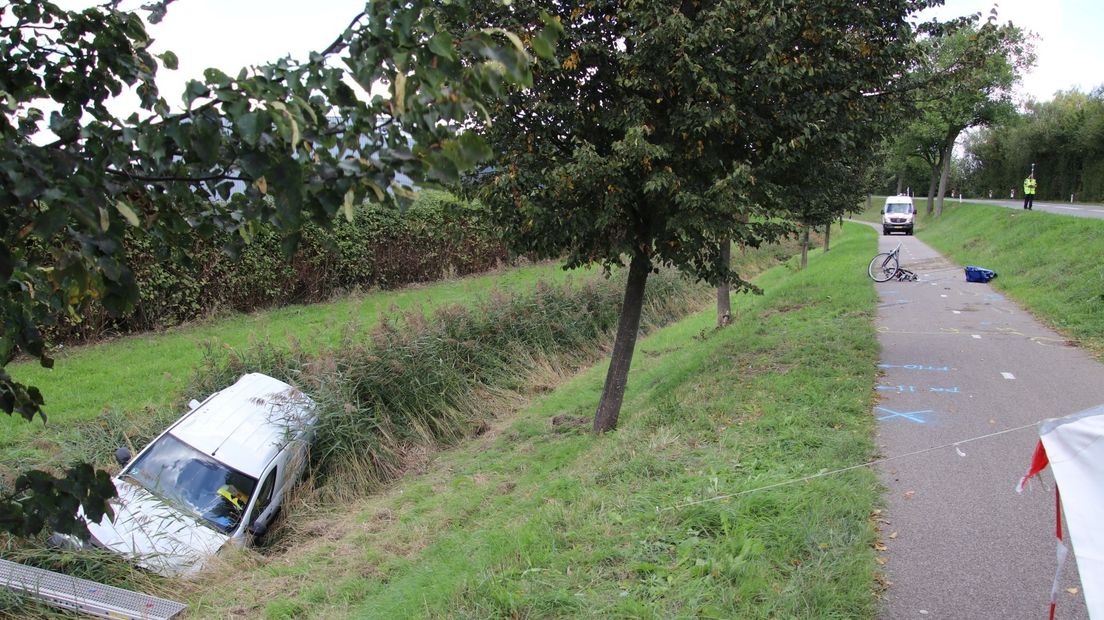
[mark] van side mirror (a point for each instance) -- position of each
(122, 456)
(258, 529)
(260, 525)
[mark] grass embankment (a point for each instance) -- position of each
(543, 519)
(1051, 264)
(148, 374)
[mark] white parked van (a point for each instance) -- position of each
(899, 214)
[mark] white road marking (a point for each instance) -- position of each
(1069, 208)
(1008, 375)
(957, 311)
(975, 336)
(942, 295)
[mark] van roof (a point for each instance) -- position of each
(248, 423)
(898, 199)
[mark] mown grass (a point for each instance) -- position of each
(1051, 264)
(449, 364)
(540, 518)
(142, 378)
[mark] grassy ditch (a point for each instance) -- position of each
(422, 382)
(138, 381)
(669, 516)
(1048, 263)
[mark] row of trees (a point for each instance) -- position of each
(1064, 138)
(633, 134)
(984, 61)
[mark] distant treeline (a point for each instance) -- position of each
(436, 237)
(1064, 138)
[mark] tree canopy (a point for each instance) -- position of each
(964, 81)
(660, 132)
(281, 144)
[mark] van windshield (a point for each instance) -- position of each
(190, 480)
(898, 207)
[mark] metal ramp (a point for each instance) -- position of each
(85, 596)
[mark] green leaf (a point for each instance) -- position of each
(473, 149)
(441, 44)
(127, 212)
(105, 220)
(194, 90)
(251, 124)
(544, 45)
(170, 61)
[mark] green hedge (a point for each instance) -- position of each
(437, 236)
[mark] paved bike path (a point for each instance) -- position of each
(962, 362)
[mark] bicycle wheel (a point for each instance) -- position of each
(883, 267)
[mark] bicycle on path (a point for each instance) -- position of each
(887, 266)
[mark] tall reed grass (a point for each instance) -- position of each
(418, 382)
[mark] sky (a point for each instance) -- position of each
(237, 33)
(1070, 44)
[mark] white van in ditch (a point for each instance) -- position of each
(899, 215)
(217, 477)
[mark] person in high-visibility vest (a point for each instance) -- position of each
(1029, 191)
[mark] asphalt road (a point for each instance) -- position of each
(1076, 210)
(962, 363)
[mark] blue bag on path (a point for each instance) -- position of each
(979, 274)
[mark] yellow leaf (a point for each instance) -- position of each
(348, 205)
(400, 92)
(1072, 590)
(893, 536)
(105, 221)
(127, 212)
(375, 188)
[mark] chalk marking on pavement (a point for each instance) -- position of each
(822, 473)
(916, 367)
(911, 389)
(1008, 375)
(956, 311)
(975, 336)
(915, 416)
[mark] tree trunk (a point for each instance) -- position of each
(827, 235)
(943, 180)
(805, 248)
(900, 184)
(609, 407)
(724, 303)
(931, 190)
